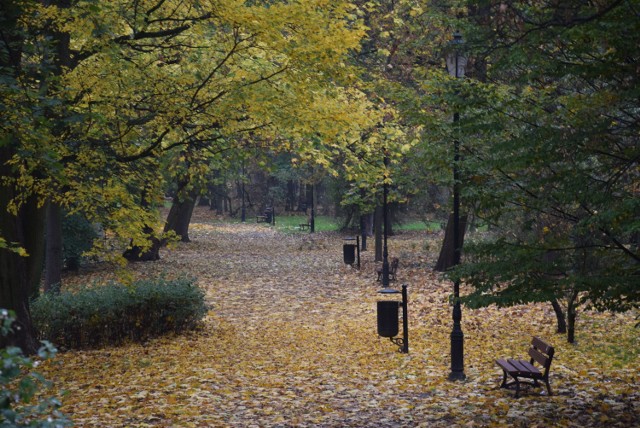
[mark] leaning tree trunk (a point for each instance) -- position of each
(180, 215)
(446, 258)
(53, 256)
(562, 324)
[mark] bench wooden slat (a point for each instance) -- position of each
(542, 346)
(539, 357)
(525, 367)
(518, 366)
(531, 368)
(506, 365)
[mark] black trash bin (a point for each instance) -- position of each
(349, 250)
(268, 215)
(388, 318)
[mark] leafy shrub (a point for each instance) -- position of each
(77, 237)
(114, 313)
(19, 406)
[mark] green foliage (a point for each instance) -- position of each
(21, 400)
(78, 235)
(549, 130)
(114, 313)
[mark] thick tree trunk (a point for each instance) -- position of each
(562, 324)
(20, 275)
(53, 256)
(180, 215)
(445, 260)
(137, 254)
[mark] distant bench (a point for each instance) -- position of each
(266, 217)
(305, 226)
(393, 268)
(541, 353)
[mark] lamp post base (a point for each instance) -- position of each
(457, 346)
(456, 376)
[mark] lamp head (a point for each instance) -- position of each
(456, 60)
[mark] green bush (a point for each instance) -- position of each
(115, 313)
(21, 401)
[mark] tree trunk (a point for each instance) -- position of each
(377, 227)
(20, 275)
(137, 254)
(571, 318)
(180, 215)
(53, 257)
(363, 232)
(562, 324)
(445, 260)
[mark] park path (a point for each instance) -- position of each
(290, 341)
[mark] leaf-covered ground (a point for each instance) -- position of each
(290, 341)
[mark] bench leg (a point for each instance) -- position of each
(504, 379)
(548, 386)
(506, 385)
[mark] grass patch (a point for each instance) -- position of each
(418, 226)
(292, 223)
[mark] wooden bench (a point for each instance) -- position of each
(266, 217)
(540, 353)
(307, 225)
(393, 268)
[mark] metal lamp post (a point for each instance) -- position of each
(456, 64)
(385, 209)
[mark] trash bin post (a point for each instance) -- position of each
(388, 319)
